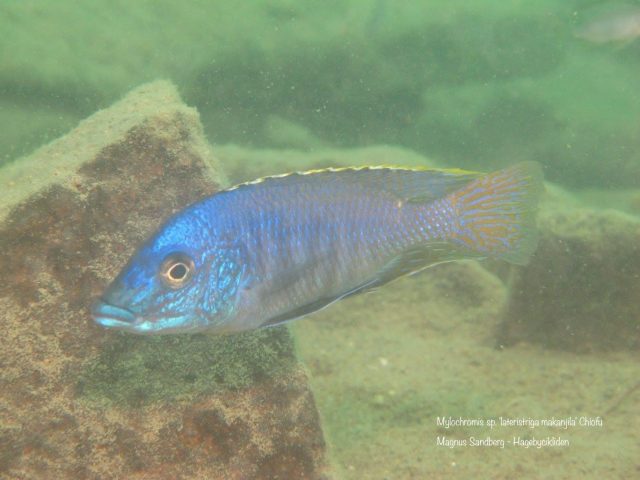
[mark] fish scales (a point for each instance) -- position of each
(279, 248)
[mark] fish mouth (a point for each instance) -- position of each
(111, 316)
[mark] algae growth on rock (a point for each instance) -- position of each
(133, 371)
(80, 402)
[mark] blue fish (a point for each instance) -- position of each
(278, 248)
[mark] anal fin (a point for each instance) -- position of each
(418, 258)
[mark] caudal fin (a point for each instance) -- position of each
(496, 213)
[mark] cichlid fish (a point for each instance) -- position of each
(278, 248)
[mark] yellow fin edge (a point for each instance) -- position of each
(452, 171)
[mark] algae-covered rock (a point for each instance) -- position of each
(77, 401)
(581, 290)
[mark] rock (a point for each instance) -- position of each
(627, 201)
(581, 290)
(77, 401)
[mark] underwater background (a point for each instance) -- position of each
(283, 85)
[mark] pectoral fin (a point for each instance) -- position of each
(312, 307)
(411, 261)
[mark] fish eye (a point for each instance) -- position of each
(176, 270)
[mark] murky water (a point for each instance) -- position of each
(468, 370)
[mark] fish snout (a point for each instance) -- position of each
(111, 316)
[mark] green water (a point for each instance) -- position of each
(471, 84)
(468, 83)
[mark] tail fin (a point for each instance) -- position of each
(496, 213)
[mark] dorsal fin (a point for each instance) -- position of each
(407, 184)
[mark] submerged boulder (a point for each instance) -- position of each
(77, 401)
(580, 292)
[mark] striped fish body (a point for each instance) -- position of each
(315, 238)
(282, 247)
